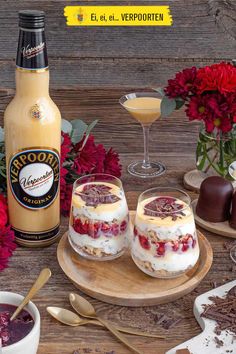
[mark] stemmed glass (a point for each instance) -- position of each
(145, 108)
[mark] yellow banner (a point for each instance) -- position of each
(118, 15)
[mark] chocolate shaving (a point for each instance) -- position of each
(223, 311)
(94, 194)
(164, 207)
(219, 343)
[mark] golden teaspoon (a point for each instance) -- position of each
(72, 319)
(86, 309)
(42, 279)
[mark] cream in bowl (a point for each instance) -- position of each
(21, 335)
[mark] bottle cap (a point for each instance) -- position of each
(31, 19)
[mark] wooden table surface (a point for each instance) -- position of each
(173, 142)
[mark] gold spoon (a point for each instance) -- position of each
(86, 309)
(72, 319)
(43, 277)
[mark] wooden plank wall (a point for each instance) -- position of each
(91, 67)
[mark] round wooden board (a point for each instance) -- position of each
(219, 228)
(193, 179)
(120, 282)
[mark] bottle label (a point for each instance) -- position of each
(34, 177)
(32, 51)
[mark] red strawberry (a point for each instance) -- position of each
(185, 247)
(123, 226)
(175, 246)
(160, 248)
(115, 229)
(144, 242)
(79, 227)
(105, 228)
(93, 230)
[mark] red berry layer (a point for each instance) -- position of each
(98, 228)
(181, 245)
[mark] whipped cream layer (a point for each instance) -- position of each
(170, 262)
(101, 212)
(109, 245)
(167, 227)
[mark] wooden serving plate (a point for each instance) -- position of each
(120, 281)
(193, 180)
(219, 228)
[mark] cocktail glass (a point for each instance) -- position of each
(145, 107)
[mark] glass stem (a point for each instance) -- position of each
(146, 161)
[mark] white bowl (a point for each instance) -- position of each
(29, 344)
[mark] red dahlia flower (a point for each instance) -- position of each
(217, 77)
(7, 245)
(112, 164)
(88, 157)
(3, 211)
(183, 84)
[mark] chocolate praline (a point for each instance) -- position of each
(214, 201)
(232, 221)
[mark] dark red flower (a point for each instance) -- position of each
(3, 211)
(217, 77)
(7, 245)
(65, 198)
(66, 145)
(183, 84)
(143, 240)
(88, 157)
(112, 164)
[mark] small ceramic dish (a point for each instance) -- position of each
(29, 343)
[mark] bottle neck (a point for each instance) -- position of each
(32, 83)
(32, 50)
(32, 76)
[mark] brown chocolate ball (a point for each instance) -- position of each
(214, 202)
(232, 221)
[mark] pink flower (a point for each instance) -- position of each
(183, 84)
(7, 245)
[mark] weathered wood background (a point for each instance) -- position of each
(90, 69)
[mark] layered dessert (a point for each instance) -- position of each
(165, 242)
(99, 222)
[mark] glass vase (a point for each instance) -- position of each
(216, 153)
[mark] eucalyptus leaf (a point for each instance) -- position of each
(1, 134)
(168, 105)
(90, 127)
(159, 90)
(76, 136)
(66, 126)
(79, 125)
(179, 103)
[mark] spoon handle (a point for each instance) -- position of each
(129, 330)
(117, 334)
(43, 277)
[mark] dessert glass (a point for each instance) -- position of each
(99, 218)
(164, 243)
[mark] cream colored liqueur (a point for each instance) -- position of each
(145, 109)
(32, 139)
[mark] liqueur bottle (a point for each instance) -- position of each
(32, 140)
